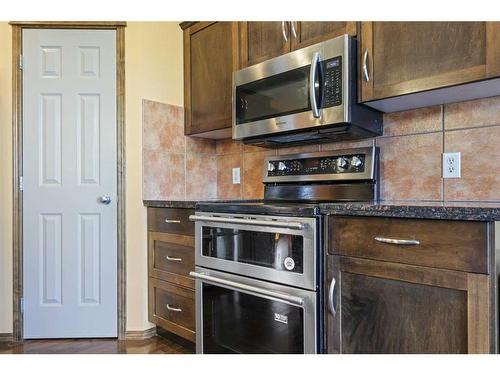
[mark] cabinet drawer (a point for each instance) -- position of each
(171, 258)
(172, 308)
(455, 245)
(170, 220)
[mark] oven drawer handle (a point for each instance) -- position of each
(269, 293)
(397, 242)
(277, 224)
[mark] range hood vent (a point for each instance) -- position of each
(336, 133)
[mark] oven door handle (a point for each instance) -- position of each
(277, 224)
(248, 288)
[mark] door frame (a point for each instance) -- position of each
(17, 148)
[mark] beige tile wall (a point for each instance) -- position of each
(410, 156)
(412, 146)
(175, 167)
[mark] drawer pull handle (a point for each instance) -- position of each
(172, 221)
(397, 242)
(173, 308)
(173, 259)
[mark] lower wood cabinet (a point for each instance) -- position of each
(383, 307)
(172, 307)
(387, 300)
(171, 295)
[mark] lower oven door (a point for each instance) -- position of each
(235, 314)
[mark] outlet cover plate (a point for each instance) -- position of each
(236, 175)
(451, 165)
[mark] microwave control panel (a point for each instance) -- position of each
(332, 94)
(353, 163)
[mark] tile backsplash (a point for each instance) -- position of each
(175, 167)
(410, 156)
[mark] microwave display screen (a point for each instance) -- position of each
(332, 64)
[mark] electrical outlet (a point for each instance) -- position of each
(451, 165)
(236, 175)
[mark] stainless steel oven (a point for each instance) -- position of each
(308, 95)
(256, 283)
(236, 314)
(259, 264)
(273, 248)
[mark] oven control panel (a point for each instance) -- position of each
(349, 164)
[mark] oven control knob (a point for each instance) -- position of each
(356, 162)
(281, 166)
(270, 167)
(341, 163)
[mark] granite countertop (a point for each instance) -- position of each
(473, 211)
(192, 204)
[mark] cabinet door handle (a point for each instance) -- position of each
(294, 32)
(177, 309)
(330, 297)
(172, 221)
(366, 76)
(173, 259)
(285, 37)
(397, 242)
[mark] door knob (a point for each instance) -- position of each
(105, 199)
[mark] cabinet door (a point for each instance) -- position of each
(261, 41)
(406, 57)
(383, 307)
(307, 33)
(210, 56)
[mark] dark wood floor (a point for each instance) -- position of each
(154, 345)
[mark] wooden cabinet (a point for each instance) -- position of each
(210, 57)
(314, 32)
(170, 259)
(385, 297)
(260, 41)
(398, 58)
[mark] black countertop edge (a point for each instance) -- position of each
(469, 211)
(418, 210)
(192, 204)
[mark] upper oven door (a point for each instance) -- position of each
(302, 89)
(271, 248)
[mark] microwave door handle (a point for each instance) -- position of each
(312, 80)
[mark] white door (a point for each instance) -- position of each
(69, 163)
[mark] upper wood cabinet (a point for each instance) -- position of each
(398, 58)
(314, 32)
(210, 57)
(260, 41)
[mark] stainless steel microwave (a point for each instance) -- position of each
(305, 96)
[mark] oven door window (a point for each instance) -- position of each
(278, 95)
(235, 322)
(282, 252)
